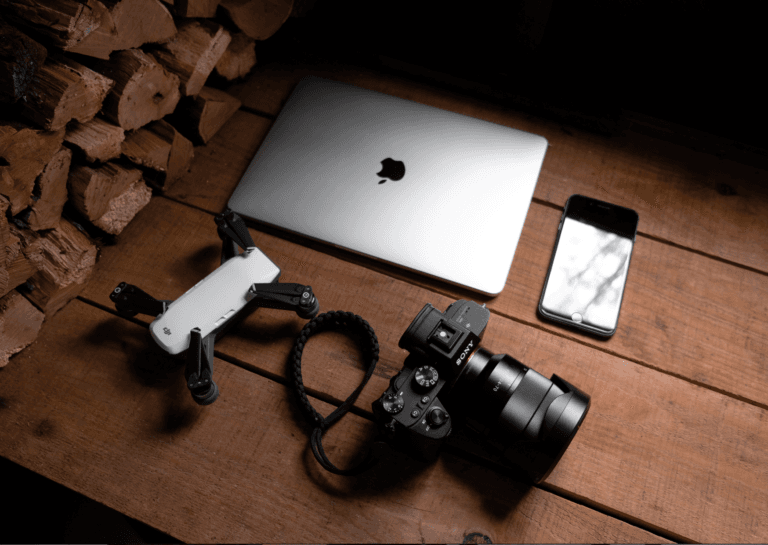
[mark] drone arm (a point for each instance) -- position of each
(233, 232)
(199, 371)
(130, 300)
(296, 297)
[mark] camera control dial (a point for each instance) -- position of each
(392, 403)
(425, 376)
(437, 417)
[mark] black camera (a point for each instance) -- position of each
(448, 381)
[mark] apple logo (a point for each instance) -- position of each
(391, 169)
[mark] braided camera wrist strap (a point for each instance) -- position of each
(345, 322)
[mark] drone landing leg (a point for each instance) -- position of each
(199, 371)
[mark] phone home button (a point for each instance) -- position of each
(576, 317)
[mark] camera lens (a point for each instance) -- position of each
(527, 419)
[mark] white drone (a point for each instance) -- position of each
(191, 323)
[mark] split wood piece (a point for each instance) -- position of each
(20, 323)
(135, 22)
(65, 261)
(200, 117)
(124, 207)
(259, 19)
(92, 188)
(20, 58)
(239, 58)
(196, 8)
(64, 90)
(5, 233)
(193, 53)
(61, 23)
(144, 91)
(50, 192)
(24, 152)
(98, 139)
(160, 147)
(21, 257)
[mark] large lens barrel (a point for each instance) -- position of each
(526, 418)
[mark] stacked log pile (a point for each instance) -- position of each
(102, 102)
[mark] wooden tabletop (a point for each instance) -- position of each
(674, 448)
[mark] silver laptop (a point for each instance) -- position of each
(425, 189)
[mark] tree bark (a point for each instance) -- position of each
(239, 58)
(24, 152)
(135, 22)
(144, 91)
(160, 147)
(20, 323)
(50, 193)
(64, 90)
(193, 53)
(98, 140)
(20, 58)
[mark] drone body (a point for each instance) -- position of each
(190, 325)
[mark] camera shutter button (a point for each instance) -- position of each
(437, 417)
(392, 403)
(425, 376)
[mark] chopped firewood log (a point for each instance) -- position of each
(200, 117)
(239, 58)
(91, 188)
(136, 22)
(20, 58)
(193, 52)
(64, 90)
(144, 91)
(123, 208)
(5, 233)
(21, 258)
(24, 152)
(259, 19)
(196, 8)
(50, 192)
(20, 323)
(65, 261)
(98, 140)
(160, 147)
(61, 23)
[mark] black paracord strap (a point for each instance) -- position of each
(334, 321)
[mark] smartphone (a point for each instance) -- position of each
(588, 270)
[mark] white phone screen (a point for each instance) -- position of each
(589, 271)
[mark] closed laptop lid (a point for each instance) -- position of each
(426, 189)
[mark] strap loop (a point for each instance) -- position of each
(334, 321)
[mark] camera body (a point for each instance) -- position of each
(449, 381)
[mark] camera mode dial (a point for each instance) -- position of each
(392, 403)
(425, 376)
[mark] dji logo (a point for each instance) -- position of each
(166, 331)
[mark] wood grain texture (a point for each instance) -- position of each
(691, 198)
(133, 23)
(688, 314)
(200, 117)
(20, 58)
(119, 425)
(668, 431)
(20, 324)
(50, 193)
(97, 140)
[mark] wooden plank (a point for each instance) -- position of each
(115, 429)
(690, 315)
(653, 447)
(711, 204)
